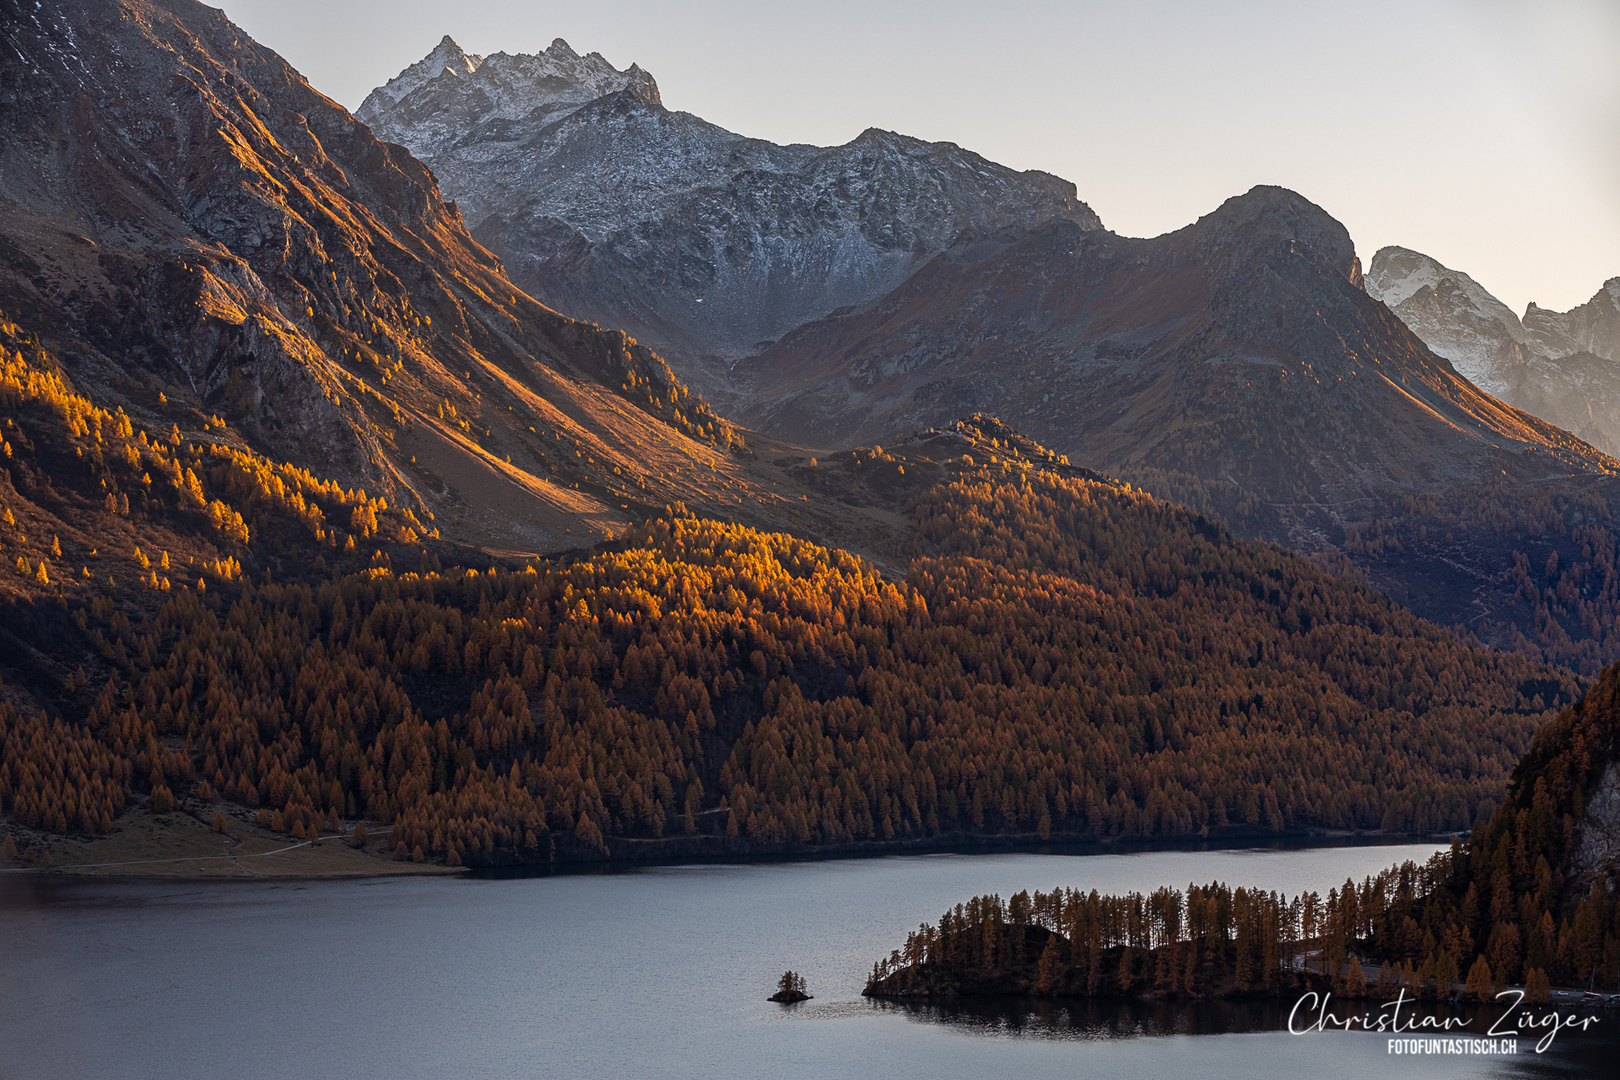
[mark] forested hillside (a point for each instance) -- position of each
(1528, 901)
(1064, 657)
(1529, 567)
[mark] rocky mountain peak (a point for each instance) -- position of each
(1593, 327)
(1399, 273)
(607, 206)
(1453, 314)
(448, 91)
(1269, 215)
(446, 57)
(1550, 365)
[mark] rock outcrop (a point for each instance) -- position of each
(1593, 328)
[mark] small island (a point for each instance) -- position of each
(790, 989)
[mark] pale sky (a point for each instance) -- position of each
(1485, 133)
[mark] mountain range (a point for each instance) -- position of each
(609, 207)
(1238, 365)
(1240, 349)
(208, 243)
(316, 514)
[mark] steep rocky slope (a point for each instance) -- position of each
(1561, 367)
(608, 206)
(1240, 349)
(202, 239)
(1594, 327)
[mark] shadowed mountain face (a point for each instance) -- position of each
(607, 206)
(1594, 327)
(1240, 350)
(206, 241)
(1562, 367)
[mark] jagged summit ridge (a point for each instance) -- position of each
(607, 206)
(1266, 216)
(446, 56)
(449, 91)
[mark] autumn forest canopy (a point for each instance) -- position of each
(1525, 903)
(1061, 657)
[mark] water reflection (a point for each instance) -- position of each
(1579, 1053)
(1093, 1018)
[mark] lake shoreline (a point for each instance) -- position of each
(633, 854)
(183, 843)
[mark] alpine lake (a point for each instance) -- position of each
(646, 972)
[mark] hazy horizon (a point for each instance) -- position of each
(1483, 134)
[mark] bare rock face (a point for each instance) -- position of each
(1597, 836)
(1594, 327)
(469, 92)
(1564, 368)
(203, 237)
(1453, 315)
(445, 59)
(607, 206)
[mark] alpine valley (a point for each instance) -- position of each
(519, 473)
(1241, 366)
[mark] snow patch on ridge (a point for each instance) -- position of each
(501, 86)
(1399, 273)
(446, 58)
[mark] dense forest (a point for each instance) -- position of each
(1528, 901)
(1528, 568)
(1064, 657)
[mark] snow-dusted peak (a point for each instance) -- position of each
(502, 86)
(605, 205)
(1397, 274)
(1452, 313)
(1559, 366)
(446, 56)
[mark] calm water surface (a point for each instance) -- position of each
(658, 972)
